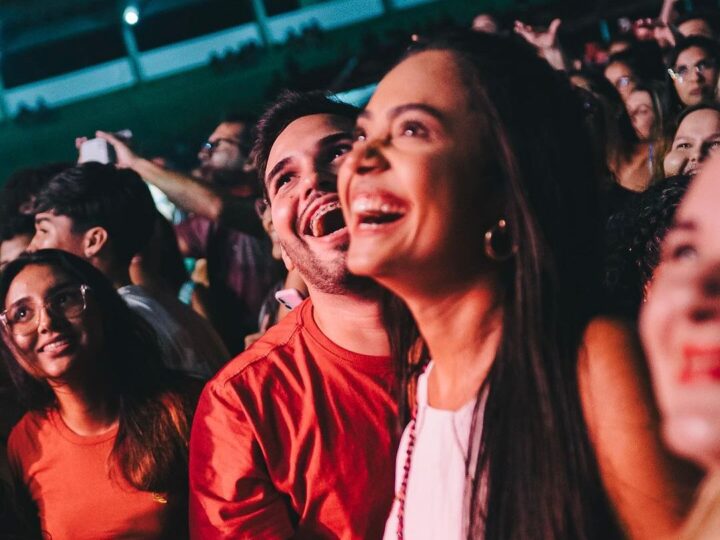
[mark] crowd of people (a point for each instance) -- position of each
(484, 305)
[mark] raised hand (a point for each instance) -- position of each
(541, 39)
(126, 158)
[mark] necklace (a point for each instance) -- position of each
(402, 494)
(412, 436)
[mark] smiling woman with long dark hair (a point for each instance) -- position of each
(102, 452)
(470, 194)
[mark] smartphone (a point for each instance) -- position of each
(100, 150)
(97, 150)
(290, 298)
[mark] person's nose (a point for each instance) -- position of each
(696, 154)
(317, 181)
(47, 320)
(696, 75)
(370, 157)
(33, 245)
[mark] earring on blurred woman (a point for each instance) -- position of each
(498, 243)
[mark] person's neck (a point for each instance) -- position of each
(120, 277)
(633, 172)
(85, 408)
(351, 321)
(462, 329)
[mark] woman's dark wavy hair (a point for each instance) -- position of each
(634, 238)
(542, 474)
(150, 450)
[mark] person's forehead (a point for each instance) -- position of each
(639, 97)
(57, 220)
(33, 280)
(303, 135)
(228, 130)
(700, 122)
(617, 68)
(691, 54)
(694, 25)
(430, 77)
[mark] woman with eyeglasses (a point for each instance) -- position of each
(693, 69)
(102, 452)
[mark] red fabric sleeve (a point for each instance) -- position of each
(231, 495)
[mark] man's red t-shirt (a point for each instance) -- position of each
(294, 437)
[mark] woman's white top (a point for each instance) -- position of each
(436, 489)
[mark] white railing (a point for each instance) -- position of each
(190, 54)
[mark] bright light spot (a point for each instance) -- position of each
(131, 15)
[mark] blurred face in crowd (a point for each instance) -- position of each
(222, 149)
(301, 182)
(642, 113)
(618, 46)
(417, 145)
(621, 77)
(696, 27)
(697, 137)
(485, 23)
(680, 324)
(695, 76)
(12, 248)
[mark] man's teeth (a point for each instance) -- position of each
(327, 220)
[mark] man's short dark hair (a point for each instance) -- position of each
(288, 107)
(97, 195)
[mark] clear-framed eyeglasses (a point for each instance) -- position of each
(210, 146)
(682, 73)
(23, 317)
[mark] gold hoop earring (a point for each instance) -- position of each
(498, 244)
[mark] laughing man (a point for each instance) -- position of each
(296, 437)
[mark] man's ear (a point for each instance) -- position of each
(94, 240)
(289, 264)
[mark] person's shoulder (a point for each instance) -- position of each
(266, 357)
(607, 335)
(610, 348)
(612, 369)
(136, 296)
(26, 432)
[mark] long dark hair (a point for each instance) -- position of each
(536, 458)
(150, 450)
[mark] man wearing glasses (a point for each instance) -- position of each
(222, 227)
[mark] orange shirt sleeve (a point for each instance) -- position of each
(231, 494)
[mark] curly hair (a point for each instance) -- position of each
(634, 237)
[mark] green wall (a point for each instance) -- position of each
(184, 108)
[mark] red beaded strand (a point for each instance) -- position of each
(402, 495)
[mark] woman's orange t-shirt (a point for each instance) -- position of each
(68, 478)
